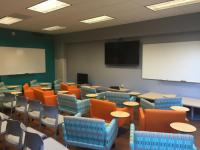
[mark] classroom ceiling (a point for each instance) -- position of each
(124, 12)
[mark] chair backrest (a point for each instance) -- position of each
(86, 90)
(26, 86)
(21, 101)
(9, 97)
(14, 128)
(84, 130)
(2, 84)
(166, 103)
(155, 140)
(67, 102)
(102, 109)
(117, 97)
(50, 111)
(38, 92)
(159, 120)
(33, 141)
(34, 105)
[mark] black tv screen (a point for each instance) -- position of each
(82, 78)
(122, 53)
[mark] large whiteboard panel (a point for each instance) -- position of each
(15, 60)
(178, 61)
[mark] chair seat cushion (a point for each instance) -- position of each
(42, 135)
(11, 139)
(9, 104)
(20, 109)
(34, 114)
(51, 121)
(3, 116)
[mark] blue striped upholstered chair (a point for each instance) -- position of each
(56, 85)
(87, 90)
(144, 140)
(69, 103)
(116, 97)
(163, 103)
(89, 133)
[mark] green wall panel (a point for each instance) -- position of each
(29, 40)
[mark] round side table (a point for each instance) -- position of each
(131, 106)
(91, 95)
(183, 127)
(119, 114)
(180, 108)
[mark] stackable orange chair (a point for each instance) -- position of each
(46, 97)
(159, 120)
(102, 109)
(72, 89)
(28, 92)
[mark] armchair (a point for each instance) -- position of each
(159, 120)
(144, 140)
(70, 104)
(89, 133)
(87, 90)
(102, 109)
(116, 97)
(163, 103)
(72, 89)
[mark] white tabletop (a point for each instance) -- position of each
(191, 102)
(180, 108)
(156, 95)
(134, 93)
(91, 95)
(131, 104)
(120, 114)
(51, 144)
(183, 127)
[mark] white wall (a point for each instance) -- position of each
(88, 57)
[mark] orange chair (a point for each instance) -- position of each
(157, 120)
(28, 92)
(46, 97)
(72, 89)
(102, 109)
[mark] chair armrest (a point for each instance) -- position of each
(48, 93)
(101, 95)
(78, 115)
(132, 98)
(111, 132)
(141, 119)
(146, 104)
(131, 140)
(83, 105)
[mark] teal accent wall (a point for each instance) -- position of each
(29, 40)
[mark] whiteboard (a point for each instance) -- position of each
(177, 61)
(15, 60)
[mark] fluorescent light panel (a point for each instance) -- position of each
(54, 28)
(48, 6)
(171, 4)
(97, 19)
(9, 20)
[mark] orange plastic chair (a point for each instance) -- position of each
(102, 109)
(157, 120)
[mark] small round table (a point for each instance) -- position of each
(134, 93)
(131, 105)
(183, 127)
(119, 114)
(91, 95)
(12, 86)
(62, 92)
(180, 108)
(16, 93)
(46, 88)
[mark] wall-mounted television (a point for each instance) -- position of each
(122, 53)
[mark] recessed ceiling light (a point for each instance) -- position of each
(54, 28)
(48, 6)
(97, 19)
(171, 4)
(9, 20)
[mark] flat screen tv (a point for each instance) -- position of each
(82, 78)
(122, 53)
